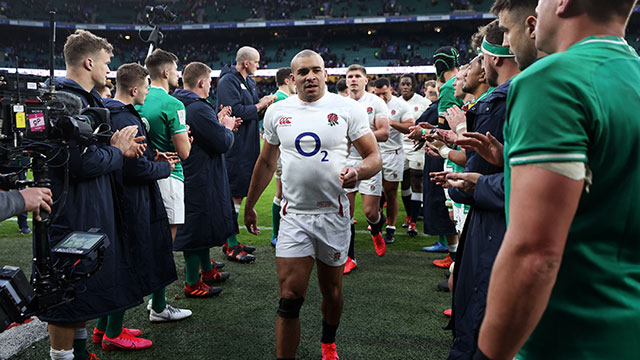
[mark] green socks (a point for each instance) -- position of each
(232, 240)
(194, 261)
(80, 344)
(101, 324)
(275, 215)
(158, 301)
(114, 325)
(443, 240)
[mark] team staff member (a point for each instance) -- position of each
(210, 216)
(315, 222)
(370, 189)
(89, 193)
(238, 90)
(286, 88)
(144, 212)
(411, 186)
(569, 117)
(400, 119)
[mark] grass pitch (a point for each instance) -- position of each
(392, 309)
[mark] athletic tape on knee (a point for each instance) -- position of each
(406, 192)
(416, 196)
(81, 333)
(290, 308)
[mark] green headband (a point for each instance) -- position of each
(495, 50)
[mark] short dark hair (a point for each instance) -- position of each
(83, 44)
(414, 82)
(527, 5)
(357, 67)
(341, 85)
(281, 75)
(382, 82)
(477, 37)
(431, 83)
(193, 72)
(130, 75)
(157, 61)
(494, 34)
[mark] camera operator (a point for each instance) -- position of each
(89, 193)
(16, 202)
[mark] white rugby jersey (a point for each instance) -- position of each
(400, 112)
(418, 104)
(313, 139)
(376, 108)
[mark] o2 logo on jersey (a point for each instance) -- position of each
(393, 112)
(285, 121)
(316, 148)
(369, 110)
(333, 119)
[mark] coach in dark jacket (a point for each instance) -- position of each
(484, 230)
(210, 217)
(145, 217)
(237, 90)
(89, 204)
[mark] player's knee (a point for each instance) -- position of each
(290, 308)
(371, 213)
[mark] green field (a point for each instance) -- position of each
(392, 308)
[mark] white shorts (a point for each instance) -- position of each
(460, 215)
(413, 160)
(322, 236)
(392, 162)
(172, 191)
(371, 186)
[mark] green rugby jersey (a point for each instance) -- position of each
(280, 95)
(447, 98)
(582, 105)
(164, 116)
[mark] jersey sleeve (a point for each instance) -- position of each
(176, 118)
(447, 99)
(358, 123)
(269, 127)
(546, 121)
(381, 109)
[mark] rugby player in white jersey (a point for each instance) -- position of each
(311, 132)
(371, 189)
(400, 120)
(411, 187)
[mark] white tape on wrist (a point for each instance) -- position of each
(444, 152)
(460, 127)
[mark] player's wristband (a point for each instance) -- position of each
(423, 131)
(460, 127)
(444, 151)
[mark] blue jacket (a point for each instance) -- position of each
(435, 212)
(89, 203)
(210, 215)
(483, 233)
(146, 225)
(242, 96)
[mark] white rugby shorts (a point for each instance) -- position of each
(172, 191)
(322, 236)
(413, 160)
(392, 165)
(371, 186)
